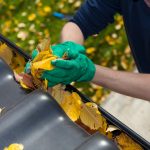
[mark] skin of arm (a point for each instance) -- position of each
(71, 32)
(131, 84)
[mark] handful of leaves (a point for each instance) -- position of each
(42, 62)
(39, 64)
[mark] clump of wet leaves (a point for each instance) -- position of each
(39, 64)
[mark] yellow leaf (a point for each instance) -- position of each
(18, 63)
(47, 9)
(109, 135)
(48, 56)
(32, 17)
(40, 56)
(45, 85)
(58, 93)
(77, 98)
(90, 50)
(6, 53)
(104, 129)
(14, 146)
(90, 116)
(19, 69)
(23, 85)
(105, 125)
(71, 104)
(44, 64)
(20, 60)
(126, 143)
(45, 46)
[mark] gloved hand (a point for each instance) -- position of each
(79, 69)
(72, 49)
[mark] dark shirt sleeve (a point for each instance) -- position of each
(94, 15)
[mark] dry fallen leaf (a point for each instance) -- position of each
(44, 45)
(44, 64)
(6, 53)
(45, 85)
(58, 92)
(41, 63)
(25, 80)
(112, 128)
(71, 104)
(14, 146)
(18, 63)
(90, 116)
(103, 129)
(42, 55)
(126, 143)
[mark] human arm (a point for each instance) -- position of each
(92, 17)
(131, 84)
(71, 32)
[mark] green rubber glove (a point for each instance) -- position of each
(79, 69)
(71, 48)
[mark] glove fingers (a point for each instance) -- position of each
(66, 64)
(72, 54)
(56, 80)
(90, 72)
(57, 72)
(52, 78)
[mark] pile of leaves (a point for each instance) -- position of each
(27, 22)
(86, 115)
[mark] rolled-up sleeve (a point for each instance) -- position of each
(94, 15)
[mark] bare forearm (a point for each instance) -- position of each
(71, 32)
(131, 84)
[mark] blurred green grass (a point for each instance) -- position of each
(26, 22)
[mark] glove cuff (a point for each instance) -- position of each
(89, 73)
